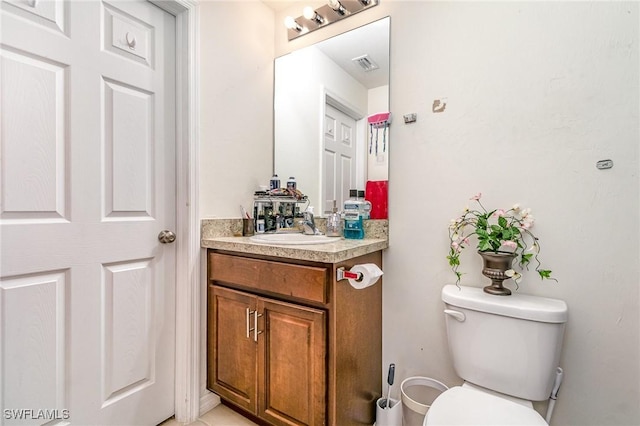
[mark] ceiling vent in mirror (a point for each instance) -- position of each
(366, 63)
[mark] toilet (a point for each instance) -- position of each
(506, 349)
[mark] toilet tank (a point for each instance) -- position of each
(509, 344)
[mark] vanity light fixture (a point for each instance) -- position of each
(333, 11)
(291, 24)
(312, 15)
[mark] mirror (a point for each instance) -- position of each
(323, 98)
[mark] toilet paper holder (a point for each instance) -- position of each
(342, 274)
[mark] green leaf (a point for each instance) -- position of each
(484, 245)
(544, 273)
(502, 221)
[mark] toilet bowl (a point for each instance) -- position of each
(470, 405)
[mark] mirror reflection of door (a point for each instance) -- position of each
(339, 157)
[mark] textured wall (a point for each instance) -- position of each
(536, 94)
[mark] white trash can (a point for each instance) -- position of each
(418, 393)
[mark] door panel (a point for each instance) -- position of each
(87, 183)
(52, 14)
(129, 163)
(33, 137)
(35, 325)
(339, 157)
(128, 338)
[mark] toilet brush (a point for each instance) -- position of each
(392, 372)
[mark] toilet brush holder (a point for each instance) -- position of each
(388, 413)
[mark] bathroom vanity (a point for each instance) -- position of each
(287, 343)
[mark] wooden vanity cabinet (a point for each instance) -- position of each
(276, 368)
(290, 345)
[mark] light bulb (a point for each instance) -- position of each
(337, 6)
(291, 24)
(312, 15)
(309, 13)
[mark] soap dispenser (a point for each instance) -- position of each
(334, 223)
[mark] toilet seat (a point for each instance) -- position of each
(468, 406)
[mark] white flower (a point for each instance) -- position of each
(527, 222)
(516, 207)
(513, 274)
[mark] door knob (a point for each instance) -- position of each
(166, 237)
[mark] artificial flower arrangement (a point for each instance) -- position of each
(497, 231)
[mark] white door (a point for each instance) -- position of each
(87, 182)
(339, 158)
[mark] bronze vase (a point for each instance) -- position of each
(495, 265)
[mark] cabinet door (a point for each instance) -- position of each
(232, 369)
(291, 364)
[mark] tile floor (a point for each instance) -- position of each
(218, 416)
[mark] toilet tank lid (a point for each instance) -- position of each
(517, 305)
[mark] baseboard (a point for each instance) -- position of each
(208, 400)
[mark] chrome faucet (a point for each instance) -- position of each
(309, 224)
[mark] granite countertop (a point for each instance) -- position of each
(334, 252)
(221, 234)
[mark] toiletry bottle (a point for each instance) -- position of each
(353, 226)
(274, 183)
(259, 217)
(269, 218)
(334, 223)
(364, 206)
(352, 203)
(291, 183)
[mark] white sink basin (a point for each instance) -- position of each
(293, 239)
